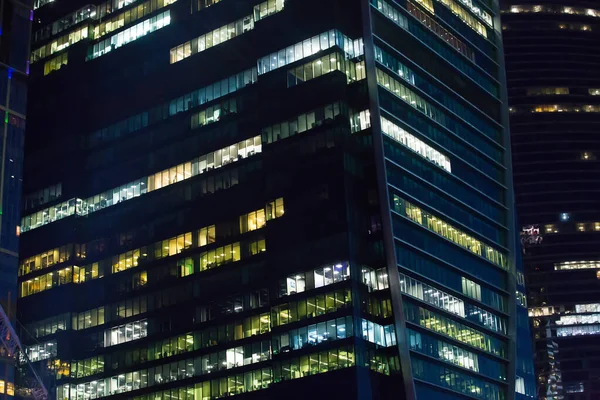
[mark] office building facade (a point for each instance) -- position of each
(15, 26)
(553, 86)
(270, 199)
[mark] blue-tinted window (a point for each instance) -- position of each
(447, 252)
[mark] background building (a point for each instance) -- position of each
(554, 86)
(15, 26)
(282, 199)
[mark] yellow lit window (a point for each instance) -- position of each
(427, 4)
(550, 228)
(547, 91)
(257, 247)
(252, 221)
(594, 92)
(2, 386)
(186, 267)
(446, 230)
(581, 227)
(588, 155)
(206, 235)
(275, 209)
(56, 63)
(10, 389)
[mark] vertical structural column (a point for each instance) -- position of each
(511, 219)
(384, 204)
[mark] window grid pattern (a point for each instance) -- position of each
(309, 47)
(214, 113)
(476, 136)
(56, 63)
(64, 23)
(553, 9)
(126, 333)
(311, 307)
(168, 109)
(41, 351)
(178, 173)
(443, 351)
(584, 330)
(449, 232)
(87, 367)
(46, 282)
(47, 259)
(130, 34)
(453, 329)
(445, 97)
(440, 31)
(325, 65)
(88, 319)
(59, 44)
(226, 32)
(319, 277)
(170, 372)
(312, 364)
(125, 18)
(432, 295)
(457, 381)
(416, 145)
(311, 335)
(301, 123)
(467, 17)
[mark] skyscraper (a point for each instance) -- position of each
(554, 87)
(15, 26)
(280, 199)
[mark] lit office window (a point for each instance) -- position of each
(440, 31)
(308, 47)
(446, 230)
(553, 9)
(226, 32)
(41, 351)
(126, 333)
(584, 330)
(418, 146)
(319, 277)
(520, 385)
(432, 295)
(442, 350)
(381, 335)
(325, 65)
(130, 190)
(56, 63)
(89, 366)
(375, 279)
(130, 34)
(360, 121)
(46, 282)
(471, 289)
(125, 18)
(542, 311)
(551, 108)
(59, 44)
(579, 319)
(547, 91)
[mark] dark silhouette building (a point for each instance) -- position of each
(271, 199)
(553, 71)
(15, 27)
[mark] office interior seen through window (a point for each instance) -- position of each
(271, 199)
